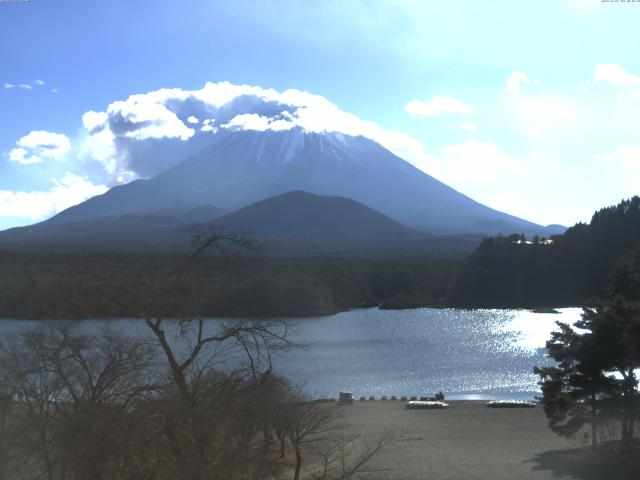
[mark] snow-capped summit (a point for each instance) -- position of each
(240, 167)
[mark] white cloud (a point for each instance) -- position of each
(252, 121)
(248, 121)
(21, 155)
(93, 121)
(468, 126)
(434, 108)
(584, 86)
(40, 145)
(616, 75)
(56, 144)
(100, 146)
(547, 114)
(54, 90)
(539, 114)
(149, 120)
(165, 113)
(37, 205)
(476, 160)
(626, 157)
(193, 119)
(208, 126)
(513, 85)
(24, 86)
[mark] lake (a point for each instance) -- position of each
(468, 354)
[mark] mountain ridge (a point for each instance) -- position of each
(242, 167)
(289, 224)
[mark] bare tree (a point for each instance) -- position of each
(342, 457)
(308, 423)
(313, 431)
(75, 395)
(7, 431)
(34, 389)
(205, 400)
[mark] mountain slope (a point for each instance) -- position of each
(112, 232)
(292, 224)
(304, 214)
(129, 231)
(242, 167)
(301, 223)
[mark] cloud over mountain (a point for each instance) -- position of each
(497, 148)
(149, 132)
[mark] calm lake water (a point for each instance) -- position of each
(468, 354)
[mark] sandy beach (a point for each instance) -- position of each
(470, 441)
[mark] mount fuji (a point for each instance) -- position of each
(241, 167)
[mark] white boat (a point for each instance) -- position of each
(511, 404)
(424, 404)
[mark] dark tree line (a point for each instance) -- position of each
(566, 269)
(81, 286)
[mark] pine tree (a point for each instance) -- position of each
(597, 361)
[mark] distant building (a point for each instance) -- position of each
(544, 241)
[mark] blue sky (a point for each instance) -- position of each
(532, 108)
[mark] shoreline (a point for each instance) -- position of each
(546, 311)
(452, 396)
(470, 441)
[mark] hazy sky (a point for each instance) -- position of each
(531, 107)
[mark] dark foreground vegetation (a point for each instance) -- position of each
(105, 406)
(193, 400)
(595, 382)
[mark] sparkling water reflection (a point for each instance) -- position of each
(464, 353)
(467, 354)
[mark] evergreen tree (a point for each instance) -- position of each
(572, 390)
(597, 362)
(615, 323)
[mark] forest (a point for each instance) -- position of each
(503, 272)
(564, 270)
(92, 286)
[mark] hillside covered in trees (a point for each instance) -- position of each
(563, 270)
(503, 272)
(103, 286)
